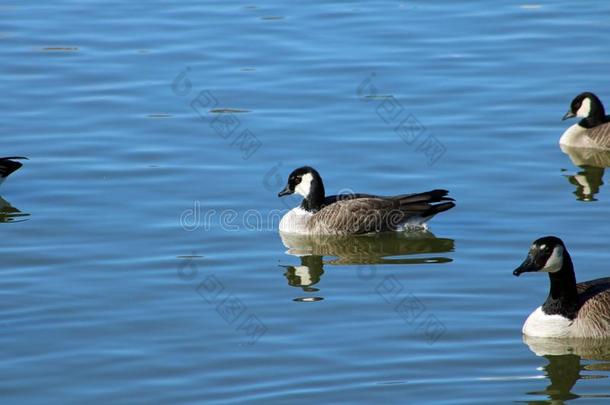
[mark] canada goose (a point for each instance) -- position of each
(8, 166)
(571, 310)
(593, 130)
(348, 214)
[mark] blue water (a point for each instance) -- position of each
(142, 262)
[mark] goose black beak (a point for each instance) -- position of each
(285, 191)
(568, 115)
(527, 266)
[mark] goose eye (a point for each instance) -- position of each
(297, 180)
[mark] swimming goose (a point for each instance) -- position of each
(571, 310)
(8, 166)
(593, 130)
(349, 214)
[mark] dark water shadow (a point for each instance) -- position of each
(589, 179)
(8, 213)
(314, 252)
(568, 361)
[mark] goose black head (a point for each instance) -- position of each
(545, 255)
(586, 105)
(302, 181)
(306, 181)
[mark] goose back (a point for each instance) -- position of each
(368, 213)
(593, 318)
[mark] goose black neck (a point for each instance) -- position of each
(563, 296)
(597, 114)
(315, 199)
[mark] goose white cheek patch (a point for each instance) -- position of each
(585, 108)
(304, 186)
(555, 262)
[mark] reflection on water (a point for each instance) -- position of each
(587, 182)
(8, 213)
(384, 248)
(565, 364)
(307, 274)
(593, 163)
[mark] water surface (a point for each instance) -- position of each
(141, 257)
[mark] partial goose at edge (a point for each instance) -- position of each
(571, 310)
(593, 130)
(9, 165)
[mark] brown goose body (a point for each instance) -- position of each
(377, 214)
(593, 315)
(578, 136)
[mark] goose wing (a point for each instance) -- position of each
(600, 135)
(594, 303)
(364, 214)
(353, 216)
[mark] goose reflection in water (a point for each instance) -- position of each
(306, 275)
(570, 360)
(385, 248)
(593, 163)
(8, 213)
